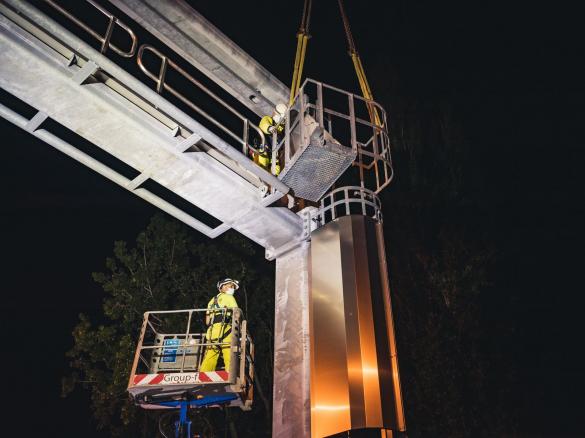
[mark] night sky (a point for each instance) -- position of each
(514, 76)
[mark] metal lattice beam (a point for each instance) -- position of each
(198, 41)
(79, 88)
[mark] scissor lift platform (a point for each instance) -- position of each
(166, 369)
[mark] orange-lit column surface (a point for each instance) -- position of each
(354, 380)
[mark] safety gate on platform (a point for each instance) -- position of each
(171, 348)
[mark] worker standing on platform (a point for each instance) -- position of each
(274, 124)
(270, 125)
(219, 322)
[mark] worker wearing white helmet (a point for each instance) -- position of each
(275, 124)
(270, 125)
(219, 322)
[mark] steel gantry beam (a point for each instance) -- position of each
(198, 41)
(66, 80)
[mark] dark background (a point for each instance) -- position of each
(513, 75)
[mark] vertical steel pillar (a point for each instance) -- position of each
(336, 368)
(354, 369)
(291, 404)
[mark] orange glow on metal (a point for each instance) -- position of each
(331, 407)
(351, 338)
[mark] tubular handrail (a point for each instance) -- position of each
(352, 195)
(162, 85)
(354, 96)
(195, 339)
(103, 39)
(191, 310)
(373, 155)
(139, 89)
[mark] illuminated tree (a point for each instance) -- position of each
(167, 268)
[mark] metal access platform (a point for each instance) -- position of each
(166, 368)
(162, 137)
(328, 131)
(63, 84)
(336, 130)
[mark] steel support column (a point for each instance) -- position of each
(335, 360)
(291, 405)
(354, 370)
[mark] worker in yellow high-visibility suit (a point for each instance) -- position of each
(270, 125)
(219, 324)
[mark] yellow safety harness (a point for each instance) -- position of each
(226, 319)
(302, 39)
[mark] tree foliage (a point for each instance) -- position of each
(166, 268)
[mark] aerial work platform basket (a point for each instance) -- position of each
(166, 371)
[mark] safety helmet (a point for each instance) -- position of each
(277, 118)
(281, 109)
(227, 281)
(279, 114)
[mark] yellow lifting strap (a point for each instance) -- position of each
(302, 39)
(359, 68)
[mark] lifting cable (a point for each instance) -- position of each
(359, 68)
(302, 38)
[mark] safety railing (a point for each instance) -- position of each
(160, 78)
(176, 341)
(345, 201)
(244, 138)
(347, 117)
(105, 38)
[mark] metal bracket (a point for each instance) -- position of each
(309, 224)
(271, 199)
(85, 72)
(186, 143)
(182, 146)
(136, 182)
(34, 123)
(306, 216)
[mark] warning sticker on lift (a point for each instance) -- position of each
(169, 355)
(181, 378)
